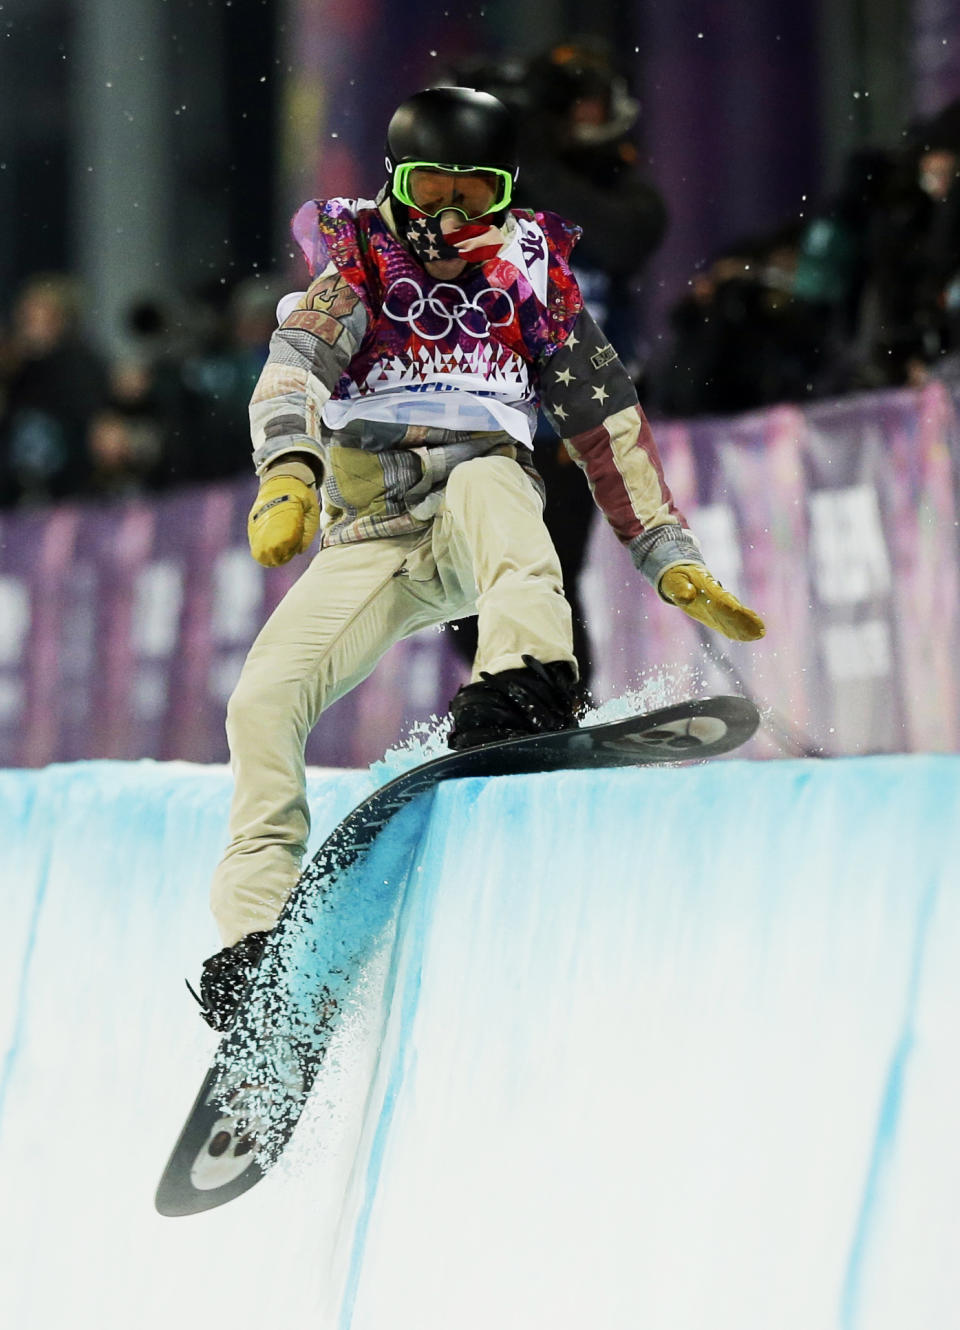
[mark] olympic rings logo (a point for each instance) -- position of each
(434, 316)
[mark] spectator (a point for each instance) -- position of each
(914, 248)
(149, 386)
(51, 386)
(577, 159)
(741, 338)
(220, 374)
(833, 261)
(125, 449)
(180, 394)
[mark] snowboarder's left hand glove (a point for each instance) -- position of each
(690, 586)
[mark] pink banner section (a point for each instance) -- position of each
(123, 627)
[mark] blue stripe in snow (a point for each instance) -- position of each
(887, 1123)
(16, 1041)
(401, 1062)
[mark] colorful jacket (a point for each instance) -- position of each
(386, 379)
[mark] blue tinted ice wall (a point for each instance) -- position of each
(663, 1048)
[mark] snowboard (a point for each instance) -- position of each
(262, 1073)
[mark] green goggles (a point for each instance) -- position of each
(432, 189)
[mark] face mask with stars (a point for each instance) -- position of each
(473, 242)
(427, 240)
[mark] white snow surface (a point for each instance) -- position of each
(656, 1049)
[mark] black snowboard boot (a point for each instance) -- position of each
(513, 704)
(224, 979)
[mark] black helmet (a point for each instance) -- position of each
(453, 127)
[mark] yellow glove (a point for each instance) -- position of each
(690, 586)
(283, 521)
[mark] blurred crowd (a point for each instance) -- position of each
(169, 409)
(864, 293)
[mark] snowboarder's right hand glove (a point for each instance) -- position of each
(283, 521)
(691, 587)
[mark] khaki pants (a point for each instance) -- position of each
(486, 552)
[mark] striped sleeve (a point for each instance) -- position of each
(589, 399)
(308, 352)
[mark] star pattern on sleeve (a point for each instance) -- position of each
(581, 391)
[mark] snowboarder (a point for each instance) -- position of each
(403, 386)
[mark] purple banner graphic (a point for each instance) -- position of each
(123, 627)
(839, 524)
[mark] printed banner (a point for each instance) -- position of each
(123, 627)
(839, 525)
